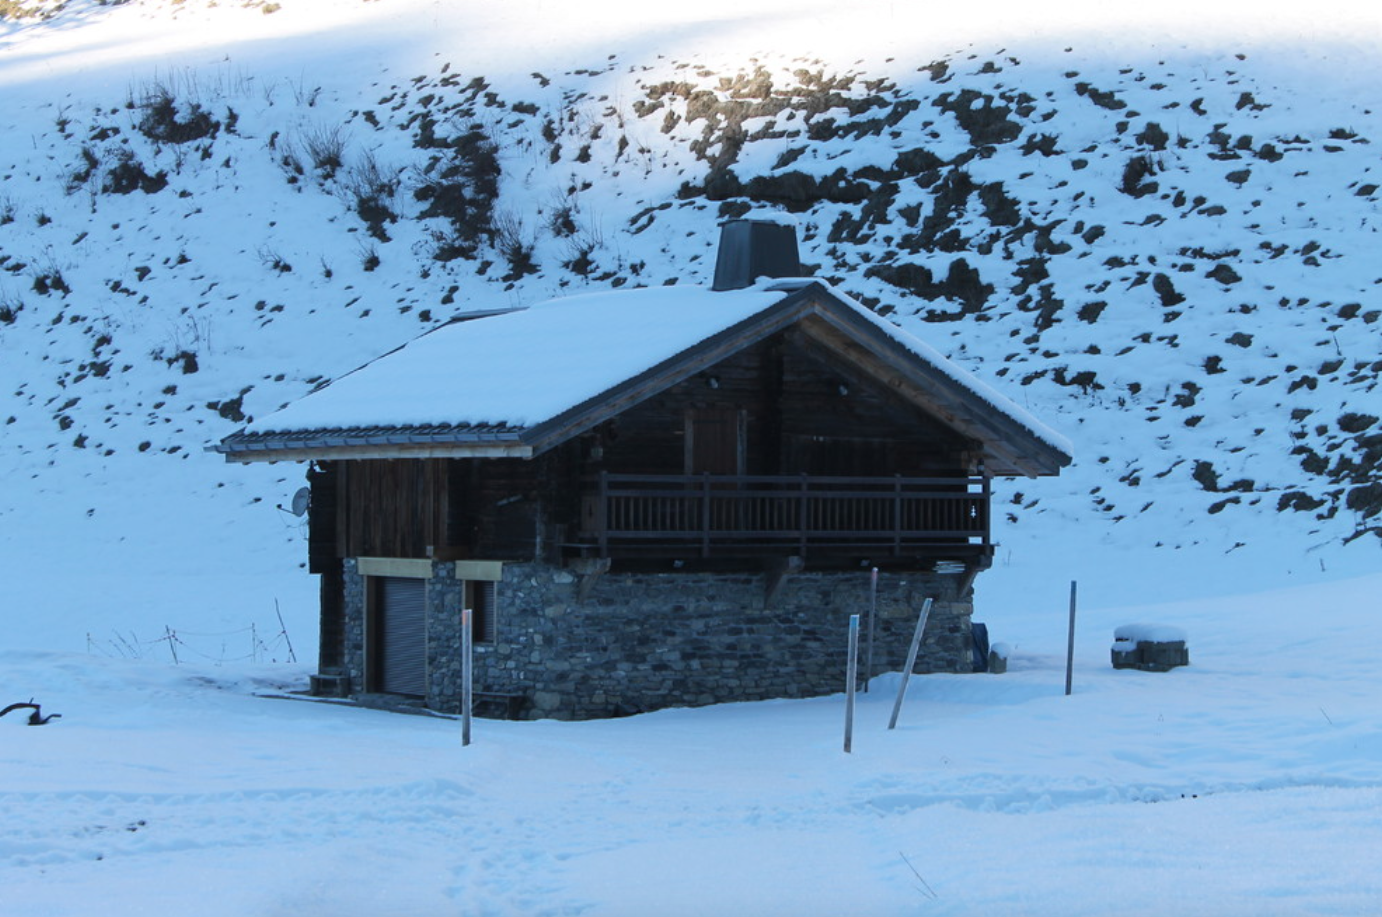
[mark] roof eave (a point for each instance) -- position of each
(1010, 448)
(402, 444)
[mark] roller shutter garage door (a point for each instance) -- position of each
(402, 634)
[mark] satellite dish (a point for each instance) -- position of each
(301, 500)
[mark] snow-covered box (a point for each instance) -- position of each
(1149, 647)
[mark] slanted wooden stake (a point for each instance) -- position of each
(283, 629)
(466, 642)
(873, 627)
(911, 661)
(851, 679)
(1070, 644)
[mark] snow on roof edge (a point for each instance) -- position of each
(755, 302)
(960, 375)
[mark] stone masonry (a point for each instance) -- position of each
(646, 641)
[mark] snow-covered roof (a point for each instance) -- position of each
(523, 367)
(496, 382)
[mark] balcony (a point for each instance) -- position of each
(722, 516)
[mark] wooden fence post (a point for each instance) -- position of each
(911, 661)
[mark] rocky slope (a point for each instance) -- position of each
(1170, 258)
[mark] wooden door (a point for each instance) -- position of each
(715, 441)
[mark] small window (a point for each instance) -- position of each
(481, 598)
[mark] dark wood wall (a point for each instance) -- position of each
(441, 508)
(802, 411)
(784, 406)
(392, 508)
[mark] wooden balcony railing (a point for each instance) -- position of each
(719, 515)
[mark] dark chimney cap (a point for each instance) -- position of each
(754, 248)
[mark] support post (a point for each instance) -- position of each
(1070, 644)
(602, 514)
(986, 507)
(467, 643)
(775, 576)
(851, 679)
(911, 661)
(873, 627)
(588, 571)
(897, 515)
(705, 514)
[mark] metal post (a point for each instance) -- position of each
(873, 627)
(911, 661)
(850, 680)
(1070, 644)
(467, 641)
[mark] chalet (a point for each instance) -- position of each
(649, 498)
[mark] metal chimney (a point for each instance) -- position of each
(750, 249)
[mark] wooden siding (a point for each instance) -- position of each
(803, 412)
(322, 548)
(504, 507)
(393, 507)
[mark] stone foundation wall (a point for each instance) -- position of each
(645, 641)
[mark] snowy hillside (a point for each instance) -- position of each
(1165, 250)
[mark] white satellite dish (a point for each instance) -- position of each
(301, 501)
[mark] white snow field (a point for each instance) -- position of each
(153, 596)
(1247, 783)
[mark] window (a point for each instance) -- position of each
(481, 579)
(480, 598)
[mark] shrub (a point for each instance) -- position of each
(516, 248)
(373, 191)
(459, 187)
(1139, 168)
(128, 175)
(163, 120)
(326, 148)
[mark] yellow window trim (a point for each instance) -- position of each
(395, 566)
(421, 568)
(480, 570)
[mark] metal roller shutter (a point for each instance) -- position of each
(485, 624)
(402, 635)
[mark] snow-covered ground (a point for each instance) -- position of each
(1248, 783)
